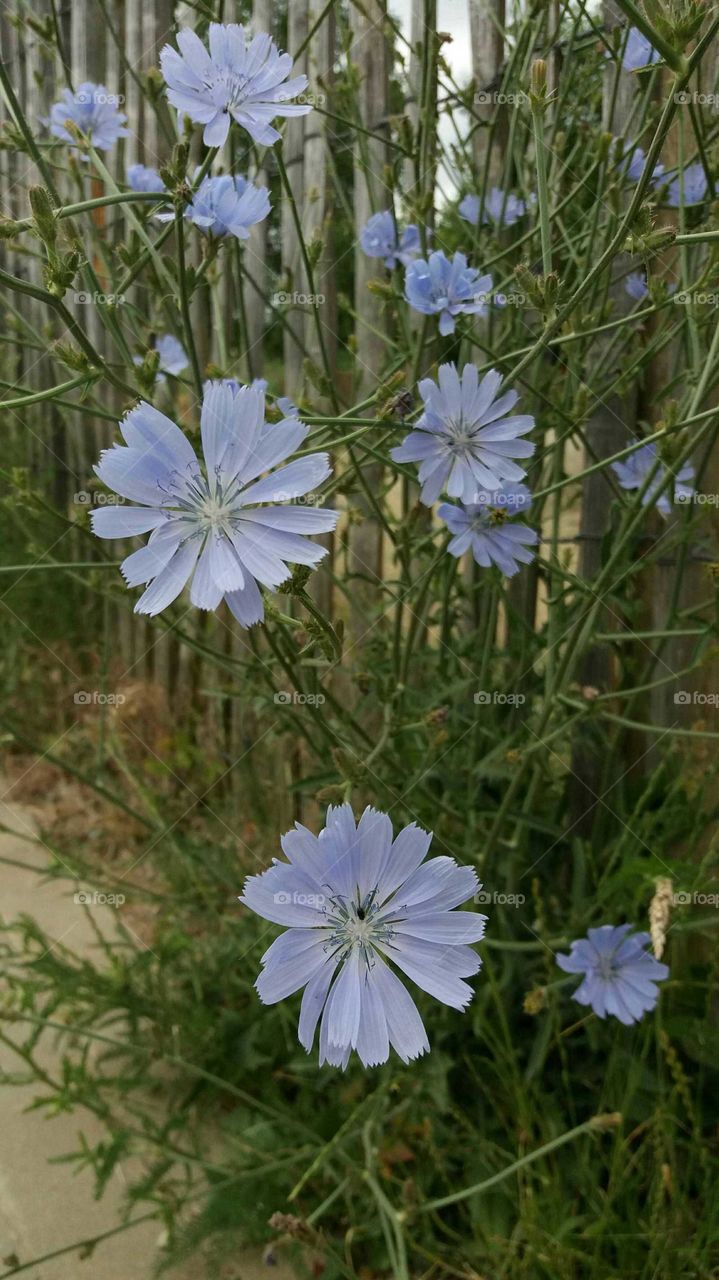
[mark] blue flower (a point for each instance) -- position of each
(636, 164)
(142, 178)
(619, 975)
(226, 206)
(353, 898)
(688, 187)
(638, 51)
(446, 288)
(633, 470)
(378, 238)
(242, 78)
(211, 522)
(482, 527)
(95, 113)
(636, 285)
(464, 440)
(173, 358)
(501, 209)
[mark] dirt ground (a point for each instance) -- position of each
(45, 1206)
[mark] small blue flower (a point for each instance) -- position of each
(95, 113)
(240, 78)
(633, 470)
(212, 523)
(688, 187)
(226, 206)
(142, 178)
(378, 239)
(636, 164)
(619, 975)
(354, 898)
(446, 288)
(483, 528)
(636, 285)
(638, 51)
(502, 210)
(464, 440)
(173, 358)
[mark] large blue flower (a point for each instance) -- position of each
(140, 177)
(638, 51)
(226, 206)
(446, 288)
(502, 210)
(212, 522)
(95, 113)
(464, 440)
(619, 975)
(378, 239)
(240, 78)
(484, 528)
(633, 470)
(354, 897)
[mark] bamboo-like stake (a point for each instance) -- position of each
(369, 56)
(611, 426)
(295, 283)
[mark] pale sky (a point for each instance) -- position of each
(453, 17)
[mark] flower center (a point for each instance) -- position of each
(354, 924)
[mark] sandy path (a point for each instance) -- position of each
(46, 1206)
